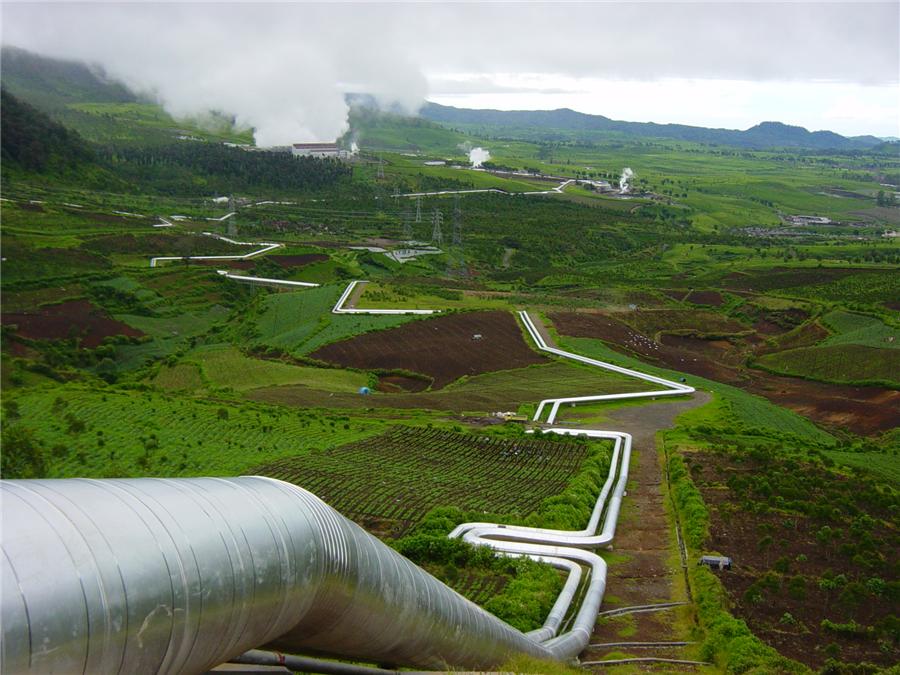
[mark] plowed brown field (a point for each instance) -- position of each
(73, 319)
(445, 348)
(863, 410)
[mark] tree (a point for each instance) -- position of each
(22, 456)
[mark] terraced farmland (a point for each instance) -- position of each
(419, 469)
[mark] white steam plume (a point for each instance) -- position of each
(477, 156)
(282, 69)
(624, 181)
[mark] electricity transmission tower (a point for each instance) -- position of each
(457, 223)
(407, 225)
(437, 237)
(418, 209)
(380, 169)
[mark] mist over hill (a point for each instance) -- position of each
(61, 87)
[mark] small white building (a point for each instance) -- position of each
(318, 150)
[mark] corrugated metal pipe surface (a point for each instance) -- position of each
(178, 575)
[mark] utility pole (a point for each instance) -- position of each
(437, 237)
(457, 223)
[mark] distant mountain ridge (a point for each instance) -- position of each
(763, 135)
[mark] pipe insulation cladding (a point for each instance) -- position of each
(178, 575)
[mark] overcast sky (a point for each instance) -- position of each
(283, 67)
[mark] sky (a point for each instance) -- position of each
(283, 67)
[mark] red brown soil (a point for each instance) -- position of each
(443, 348)
(711, 298)
(229, 264)
(736, 532)
(163, 244)
(73, 319)
(297, 260)
(652, 321)
(397, 384)
(864, 410)
(677, 295)
(784, 277)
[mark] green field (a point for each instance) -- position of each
(225, 366)
(841, 363)
(301, 321)
(96, 432)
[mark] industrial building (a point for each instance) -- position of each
(318, 150)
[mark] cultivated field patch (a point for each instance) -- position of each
(77, 319)
(851, 363)
(865, 410)
(226, 366)
(297, 260)
(815, 553)
(419, 469)
(506, 390)
(445, 348)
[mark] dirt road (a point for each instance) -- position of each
(641, 568)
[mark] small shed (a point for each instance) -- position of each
(716, 562)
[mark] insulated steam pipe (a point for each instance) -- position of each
(538, 543)
(177, 575)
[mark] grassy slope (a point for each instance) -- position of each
(862, 350)
(185, 437)
(741, 408)
(301, 321)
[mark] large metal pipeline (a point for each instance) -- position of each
(178, 575)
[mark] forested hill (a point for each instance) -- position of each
(34, 143)
(764, 135)
(53, 83)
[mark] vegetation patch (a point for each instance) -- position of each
(505, 390)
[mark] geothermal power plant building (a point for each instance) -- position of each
(318, 150)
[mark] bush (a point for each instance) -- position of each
(22, 455)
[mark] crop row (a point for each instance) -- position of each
(419, 469)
